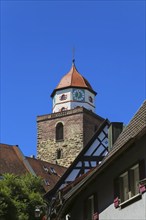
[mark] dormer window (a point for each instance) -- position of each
(63, 97)
(53, 171)
(46, 169)
(59, 132)
(46, 182)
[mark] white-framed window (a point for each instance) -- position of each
(90, 208)
(129, 183)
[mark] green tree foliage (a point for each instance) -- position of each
(19, 196)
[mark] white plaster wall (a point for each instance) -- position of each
(58, 107)
(87, 94)
(58, 104)
(82, 104)
(69, 103)
(135, 211)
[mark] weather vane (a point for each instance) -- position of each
(73, 55)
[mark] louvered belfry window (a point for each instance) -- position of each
(59, 132)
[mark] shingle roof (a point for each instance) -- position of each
(13, 161)
(135, 126)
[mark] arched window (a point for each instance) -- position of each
(59, 132)
(90, 99)
(63, 97)
(63, 109)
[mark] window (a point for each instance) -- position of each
(63, 97)
(63, 109)
(58, 153)
(127, 185)
(90, 99)
(59, 132)
(89, 208)
(46, 169)
(46, 182)
(53, 171)
(90, 204)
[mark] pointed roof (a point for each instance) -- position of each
(73, 79)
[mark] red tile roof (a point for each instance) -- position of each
(13, 161)
(43, 169)
(10, 160)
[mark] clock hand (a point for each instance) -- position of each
(78, 94)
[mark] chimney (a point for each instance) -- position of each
(113, 133)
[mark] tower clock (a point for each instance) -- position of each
(78, 94)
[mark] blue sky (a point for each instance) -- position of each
(37, 38)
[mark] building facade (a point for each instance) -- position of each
(116, 188)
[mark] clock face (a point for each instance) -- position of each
(78, 95)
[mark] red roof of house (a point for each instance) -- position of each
(44, 170)
(13, 161)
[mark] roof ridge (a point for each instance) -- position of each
(23, 159)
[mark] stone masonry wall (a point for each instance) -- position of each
(79, 127)
(73, 137)
(91, 123)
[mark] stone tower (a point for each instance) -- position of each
(63, 133)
